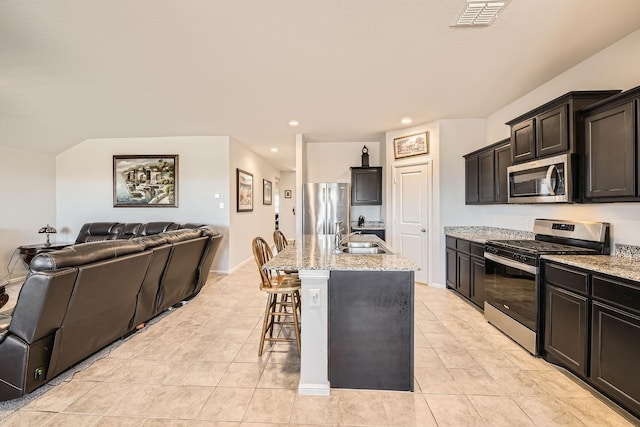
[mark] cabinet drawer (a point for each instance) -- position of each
(617, 293)
(464, 246)
(566, 278)
(451, 242)
(477, 250)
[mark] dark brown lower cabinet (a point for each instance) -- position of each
(615, 348)
(452, 270)
(566, 332)
(465, 269)
(592, 328)
(476, 292)
(464, 274)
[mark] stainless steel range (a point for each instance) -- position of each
(512, 281)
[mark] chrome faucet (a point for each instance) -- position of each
(345, 238)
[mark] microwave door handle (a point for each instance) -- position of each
(553, 170)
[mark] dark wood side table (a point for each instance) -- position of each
(27, 252)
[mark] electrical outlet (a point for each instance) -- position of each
(221, 205)
(314, 297)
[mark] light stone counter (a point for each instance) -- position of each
(481, 234)
(624, 264)
(315, 252)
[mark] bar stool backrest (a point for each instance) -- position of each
(279, 240)
(262, 253)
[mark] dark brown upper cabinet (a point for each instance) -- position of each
(366, 186)
(486, 174)
(611, 154)
(503, 161)
(523, 141)
(553, 127)
(552, 130)
(472, 194)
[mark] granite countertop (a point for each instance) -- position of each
(368, 225)
(481, 234)
(626, 267)
(315, 252)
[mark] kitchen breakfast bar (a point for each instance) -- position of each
(357, 313)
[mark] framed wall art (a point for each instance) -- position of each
(287, 194)
(244, 190)
(411, 145)
(267, 191)
(145, 181)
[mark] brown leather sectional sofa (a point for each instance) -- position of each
(79, 299)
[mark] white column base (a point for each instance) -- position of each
(314, 389)
(314, 357)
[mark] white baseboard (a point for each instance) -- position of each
(437, 285)
(314, 389)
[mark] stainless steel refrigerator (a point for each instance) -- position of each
(323, 205)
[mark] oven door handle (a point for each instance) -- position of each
(509, 263)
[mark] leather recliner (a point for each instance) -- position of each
(76, 300)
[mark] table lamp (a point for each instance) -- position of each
(48, 230)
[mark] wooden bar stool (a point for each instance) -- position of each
(281, 243)
(283, 298)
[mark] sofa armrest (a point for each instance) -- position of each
(5, 320)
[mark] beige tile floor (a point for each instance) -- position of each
(198, 366)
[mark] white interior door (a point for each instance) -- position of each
(412, 207)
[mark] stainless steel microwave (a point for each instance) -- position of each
(541, 181)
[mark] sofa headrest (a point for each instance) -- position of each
(151, 242)
(130, 230)
(84, 253)
(151, 228)
(95, 231)
(181, 235)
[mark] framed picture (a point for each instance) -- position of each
(244, 190)
(266, 192)
(412, 145)
(145, 181)
(287, 194)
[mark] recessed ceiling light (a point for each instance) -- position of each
(293, 123)
(406, 120)
(274, 150)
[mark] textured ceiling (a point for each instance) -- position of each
(346, 69)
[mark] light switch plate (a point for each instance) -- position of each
(314, 297)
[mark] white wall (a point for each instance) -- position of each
(84, 185)
(261, 221)
(330, 161)
(287, 217)
(616, 67)
(28, 202)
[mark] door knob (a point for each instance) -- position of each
(424, 230)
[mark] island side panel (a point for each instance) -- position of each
(371, 321)
(314, 334)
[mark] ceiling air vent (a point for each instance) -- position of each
(477, 13)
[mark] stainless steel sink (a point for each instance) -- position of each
(361, 245)
(364, 251)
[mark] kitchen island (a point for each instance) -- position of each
(357, 315)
